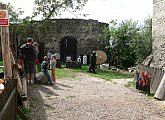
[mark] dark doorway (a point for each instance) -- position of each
(68, 47)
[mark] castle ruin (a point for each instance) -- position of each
(157, 58)
(72, 37)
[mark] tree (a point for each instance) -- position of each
(144, 42)
(129, 42)
(48, 9)
(52, 8)
(122, 41)
(14, 19)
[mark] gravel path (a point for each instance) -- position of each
(89, 98)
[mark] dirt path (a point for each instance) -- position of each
(89, 98)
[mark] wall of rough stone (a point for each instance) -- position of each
(158, 23)
(86, 32)
(157, 58)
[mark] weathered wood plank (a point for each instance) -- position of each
(8, 103)
(6, 49)
(160, 92)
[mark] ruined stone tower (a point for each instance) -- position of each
(157, 58)
(72, 37)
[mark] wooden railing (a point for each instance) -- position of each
(8, 101)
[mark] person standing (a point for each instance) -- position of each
(92, 65)
(44, 67)
(53, 67)
(49, 55)
(35, 45)
(29, 56)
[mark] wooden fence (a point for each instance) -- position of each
(156, 75)
(8, 101)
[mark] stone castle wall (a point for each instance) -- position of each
(158, 23)
(86, 32)
(157, 58)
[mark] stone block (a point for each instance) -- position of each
(104, 66)
(41, 78)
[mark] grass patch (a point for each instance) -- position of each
(1, 62)
(25, 111)
(65, 73)
(104, 74)
(38, 67)
(1, 70)
(131, 84)
(151, 96)
(109, 74)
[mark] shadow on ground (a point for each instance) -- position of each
(37, 103)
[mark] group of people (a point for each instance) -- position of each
(29, 52)
(28, 55)
(46, 64)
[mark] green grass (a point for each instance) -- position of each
(25, 111)
(65, 73)
(1, 64)
(38, 67)
(104, 74)
(71, 73)
(131, 84)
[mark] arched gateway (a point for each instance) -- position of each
(68, 47)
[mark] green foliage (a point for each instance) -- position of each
(128, 42)
(52, 8)
(144, 42)
(24, 29)
(14, 14)
(48, 8)
(122, 43)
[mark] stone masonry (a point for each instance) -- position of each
(157, 58)
(88, 33)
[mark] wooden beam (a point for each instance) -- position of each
(6, 49)
(16, 73)
(160, 92)
(8, 102)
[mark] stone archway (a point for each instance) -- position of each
(68, 47)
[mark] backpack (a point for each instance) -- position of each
(27, 52)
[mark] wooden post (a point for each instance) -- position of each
(160, 92)
(6, 49)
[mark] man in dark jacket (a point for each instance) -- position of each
(92, 65)
(29, 55)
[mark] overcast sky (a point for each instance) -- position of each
(102, 10)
